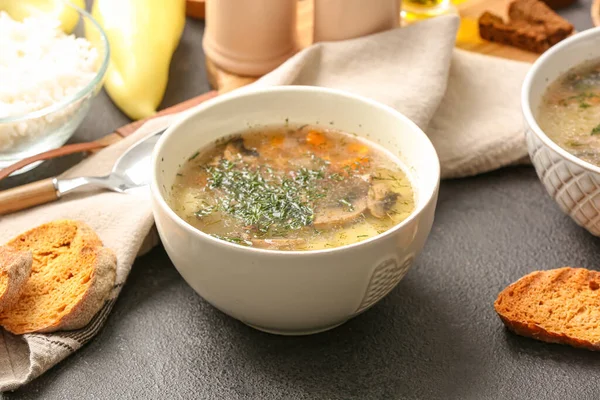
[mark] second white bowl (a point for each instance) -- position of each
(573, 183)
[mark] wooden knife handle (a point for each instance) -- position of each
(26, 196)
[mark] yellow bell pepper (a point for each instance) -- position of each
(20, 9)
(143, 35)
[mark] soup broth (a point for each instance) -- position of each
(292, 188)
(570, 111)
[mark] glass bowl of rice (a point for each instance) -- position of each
(52, 65)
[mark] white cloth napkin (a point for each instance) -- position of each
(468, 105)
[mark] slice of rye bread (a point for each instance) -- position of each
(557, 306)
(517, 34)
(71, 277)
(537, 13)
(15, 267)
(533, 26)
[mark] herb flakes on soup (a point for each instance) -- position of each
(570, 111)
(292, 188)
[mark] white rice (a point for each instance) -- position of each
(39, 66)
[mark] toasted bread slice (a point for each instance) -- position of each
(71, 277)
(532, 26)
(515, 33)
(537, 13)
(557, 306)
(15, 267)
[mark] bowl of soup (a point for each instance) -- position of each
(293, 209)
(561, 104)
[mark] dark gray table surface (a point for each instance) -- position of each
(436, 336)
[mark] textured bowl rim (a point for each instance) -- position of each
(83, 91)
(526, 90)
(172, 130)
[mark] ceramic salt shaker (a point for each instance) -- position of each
(348, 19)
(250, 37)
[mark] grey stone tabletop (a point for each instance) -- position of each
(436, 336)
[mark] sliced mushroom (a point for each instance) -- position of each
(343, 205)
(235, 150)
(381, 199)
(328, 217)
(278, 244)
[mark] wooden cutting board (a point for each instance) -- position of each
(467, 38)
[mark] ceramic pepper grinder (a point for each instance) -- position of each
(250, 37)
(348, 19)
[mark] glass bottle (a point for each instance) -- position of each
(415, 10)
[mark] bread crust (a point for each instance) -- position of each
(17, 266)
(558, 4)
(102, 279)
(536, 332)
(526, 292)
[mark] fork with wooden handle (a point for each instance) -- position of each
(46, 190)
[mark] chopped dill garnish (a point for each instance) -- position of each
(583, 96)
(596, 130)
(194, 156)
(264, 200)
(336, 177)
(203, 212)
(346, 203)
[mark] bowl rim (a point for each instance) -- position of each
(526, 90)
(172, 130)
(84, 90)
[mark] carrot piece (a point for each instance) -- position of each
(358, 148)
(277, 141)
(315, 138)
(355, 163)
(361, 161)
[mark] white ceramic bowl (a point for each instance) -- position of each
(294, 292)
(573, 183)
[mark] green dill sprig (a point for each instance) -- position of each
(262, 199)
